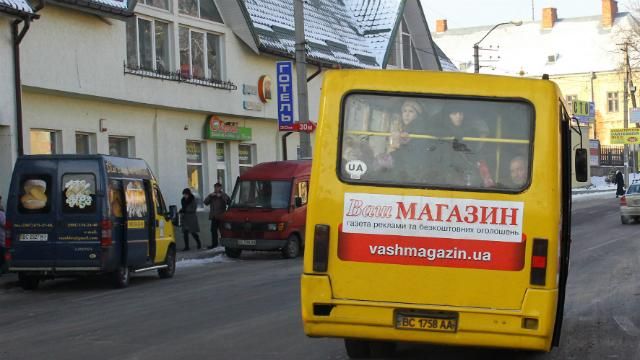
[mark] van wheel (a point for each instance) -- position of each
(232, 253)
(357, 349)
(28, 282)
(292, 249)
(121, 277)
(170, 261)
(624, 220)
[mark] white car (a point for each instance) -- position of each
(630, 204)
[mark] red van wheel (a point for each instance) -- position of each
(292, 249)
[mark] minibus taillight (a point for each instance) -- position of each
(623, 201)
(106, 240)
(321, 248)
(539, 262)
(8, 226)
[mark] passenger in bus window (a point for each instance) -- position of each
(411, 160)
(519, 172)
(464, 163)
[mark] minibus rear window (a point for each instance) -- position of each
(35, 194)
(436, 142)
(79, 193)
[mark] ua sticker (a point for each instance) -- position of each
(356, 168)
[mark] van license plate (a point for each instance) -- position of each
(247, 242)
(34, 237)
(427, 323)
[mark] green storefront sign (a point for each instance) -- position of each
(216, 129)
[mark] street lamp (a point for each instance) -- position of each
(476, 47)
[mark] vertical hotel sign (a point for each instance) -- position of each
(285, 94)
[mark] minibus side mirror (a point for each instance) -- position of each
(581, 165)
(173, 213)
(298, 201)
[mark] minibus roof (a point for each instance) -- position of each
(116, 166)
(278, 170)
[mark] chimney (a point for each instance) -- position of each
(609, 11)
(441, 25)
(549, 17)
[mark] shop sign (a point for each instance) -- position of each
(264, 88)
(216, 129)
(252, 105)
(625, 136)
(249, 89)
(285, 94)
(594, 152)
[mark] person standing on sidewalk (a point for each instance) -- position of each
(189, 218)
(218, 202)
(3, 222)
(619, 180)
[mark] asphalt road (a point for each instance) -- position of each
(249, 309)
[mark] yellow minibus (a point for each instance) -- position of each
(440, 211)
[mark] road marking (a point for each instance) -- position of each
(627, 325)
(600, 245)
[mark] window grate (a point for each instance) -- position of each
(179, 77)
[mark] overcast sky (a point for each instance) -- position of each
(466, 13)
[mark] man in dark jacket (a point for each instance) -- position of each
(619, 180)
(218, 202)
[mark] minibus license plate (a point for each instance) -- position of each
(34, 237)
(425, 322)
(246, 242)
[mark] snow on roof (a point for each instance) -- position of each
(120, 4)
(18, 5)
(348, 32)
(573, 45)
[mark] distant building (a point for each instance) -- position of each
(176, 82)
(581, 54)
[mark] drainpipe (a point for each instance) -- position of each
(18, 35)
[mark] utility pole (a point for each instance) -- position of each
(633, 106)
(626, 110)
(301, 77)
(533, 12)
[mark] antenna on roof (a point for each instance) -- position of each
(533, 12)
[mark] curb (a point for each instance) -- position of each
(573, 192)
(198, 254)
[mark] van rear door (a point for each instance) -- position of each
(138, 222)
(32, 213)
(79, 215)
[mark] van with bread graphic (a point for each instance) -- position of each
(77, 215)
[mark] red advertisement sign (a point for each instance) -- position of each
(411, 230)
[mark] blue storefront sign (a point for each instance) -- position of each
(285, 94)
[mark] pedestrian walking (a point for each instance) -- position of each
(189, 218)
(218, 202)
(619, 180)
(3, 222)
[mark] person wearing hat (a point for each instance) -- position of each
(218, 202)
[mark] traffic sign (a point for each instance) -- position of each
(304, 127)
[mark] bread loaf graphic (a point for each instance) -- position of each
(35, 197)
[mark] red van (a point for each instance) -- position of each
(268, 209)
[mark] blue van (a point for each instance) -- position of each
(76, 215)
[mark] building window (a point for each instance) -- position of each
(199, 54)
(246, 157)
(194, 167)
(570, 100)
(121, 146)
(612, 101)
(45, 142)
(148, 44)
(85, 143)
(403, 53)
(162, 4)
(205, 9)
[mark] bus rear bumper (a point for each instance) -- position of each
(326, 317)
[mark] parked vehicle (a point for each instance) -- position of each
(268, 209)
(74, 215)
(630, 204)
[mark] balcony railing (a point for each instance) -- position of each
(179, 76)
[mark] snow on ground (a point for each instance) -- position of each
(187, 263)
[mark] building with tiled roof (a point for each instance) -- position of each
(581, 54)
